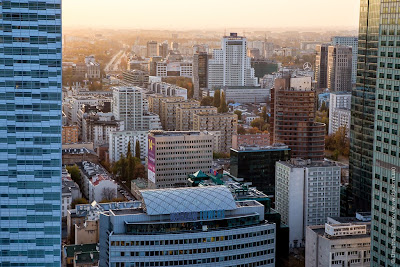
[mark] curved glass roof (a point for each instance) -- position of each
(193, 199)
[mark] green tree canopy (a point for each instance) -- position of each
(239, 114)
(217, 98)
(137, 149)
(207, 101)
(223, 108)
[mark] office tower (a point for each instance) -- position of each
(306, 194)
(201, 226)
(363, 107)
(152, 49)
(339, 242)
(340, 64)
(128, 107)
(184, 116)
(224, 123)
(172, 156)
(321, 66)
(339, 112)
(200, 71)
(257, 165)
(386, 150)
(30, 133)
(351, 41)
(230, 65)
(163, 50)
(293, 107)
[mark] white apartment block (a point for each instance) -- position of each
(71, 106)
(336, 245)
(172, 156)
(118, 144)
(167, 89)
(351, 41)
(246, 95)
(172, 69)
(224, 123)
(306, 194)
(230, 65)
(339, 112)
(127, 106)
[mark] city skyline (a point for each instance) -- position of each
(170, 15)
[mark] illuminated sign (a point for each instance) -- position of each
(194, 216)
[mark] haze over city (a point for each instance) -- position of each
(209, 14)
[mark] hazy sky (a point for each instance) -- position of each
(206, 14)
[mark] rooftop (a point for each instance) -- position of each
(174, 133)
(175, 200)
(261, 149)
(299, 162)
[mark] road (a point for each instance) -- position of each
(114, 62)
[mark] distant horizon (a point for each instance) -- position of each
(306, 15)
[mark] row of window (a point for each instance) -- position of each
(204, 261)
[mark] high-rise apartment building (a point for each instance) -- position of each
(168, 113)
(339, 112)
(200, 73)
(351, 41)
(363, 107)
(321, 66)
(152, 49)
(30, 133)
(293, 107)
(163, 50)
(306, 194)
(224, 123)
(386, 151)
(172, 156)
(340, 64)
(230, 65)
(127, 106)
(119, 142)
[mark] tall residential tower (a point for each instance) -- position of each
(30, 133)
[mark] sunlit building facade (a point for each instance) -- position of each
(30, 133)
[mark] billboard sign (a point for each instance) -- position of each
(151, 160)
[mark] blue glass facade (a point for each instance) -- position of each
(30, 133)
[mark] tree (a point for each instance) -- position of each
(137, 149)
(323, 106)
(207, 101)
(223, 108)
(129, 151)
(254, 130)
(258, 123)
(77, 201)
(264, 114)
(239, 114)
(140, 171)
(107, 194)
(339, 143)
(241, 130)
(75, 174)
(217, 98)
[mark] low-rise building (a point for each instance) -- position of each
(201, 226)
(86, 255)
(172, 156)
(136, 78)
(173, 69)
(70, 134)
(260, 140)
(307, 193)
(339, 244)
(167, 89)
(246, 95)
(70, 192)
(225, 123)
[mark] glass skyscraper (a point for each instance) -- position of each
(363, 107)
(385, 232)
(30, 133)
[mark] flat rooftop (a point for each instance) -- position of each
(174, 133)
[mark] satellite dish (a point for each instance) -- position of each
(307, 66)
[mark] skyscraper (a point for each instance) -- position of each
(321, 66)
(293, 108)
(230, 65)
(200, 70)
(152, 49)
(340, 64)
(363, 107)
(386, 151)
(351, 41)
(30, 133)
